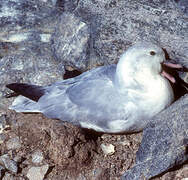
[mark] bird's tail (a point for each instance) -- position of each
(30, 95)
(32, 92)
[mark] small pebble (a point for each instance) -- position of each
(13, 143)
(108, 149)
(125, 143)
(8, 163)
(96, 172)
(37, 157)
(37, 173)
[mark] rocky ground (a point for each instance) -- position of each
(34, 147)
(42, 40)
(62, 151)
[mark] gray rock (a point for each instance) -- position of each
(121, 23)
(29, 41)
(24, 13)
(108, 149)
(70, 42)
(13, 143)
(68, 5)
(183, 5)
(8, 163)
(37, 157)
(25, 33)
(37, 173)
(28, 68)
(164, 144)
(27, 26)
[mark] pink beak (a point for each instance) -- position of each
(171, 65)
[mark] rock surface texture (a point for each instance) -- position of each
(70, 42)
(43, 40)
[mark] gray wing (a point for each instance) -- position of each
(90, 99)
(100, 72)
(97, 95)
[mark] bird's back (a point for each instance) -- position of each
(87, 102)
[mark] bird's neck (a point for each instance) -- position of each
(131, 77)
(146, 84)
(124, 75)
(152, 91)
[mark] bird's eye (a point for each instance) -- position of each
(152, 53)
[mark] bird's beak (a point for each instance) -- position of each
(170, 65)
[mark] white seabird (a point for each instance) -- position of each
(112, 99)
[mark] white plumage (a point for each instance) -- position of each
(113, 99)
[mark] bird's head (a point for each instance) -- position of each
(141, 62)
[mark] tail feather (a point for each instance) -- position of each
(32, 92)
(23, 104)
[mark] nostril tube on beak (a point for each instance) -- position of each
(171, 65)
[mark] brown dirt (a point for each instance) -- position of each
(71, 152)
